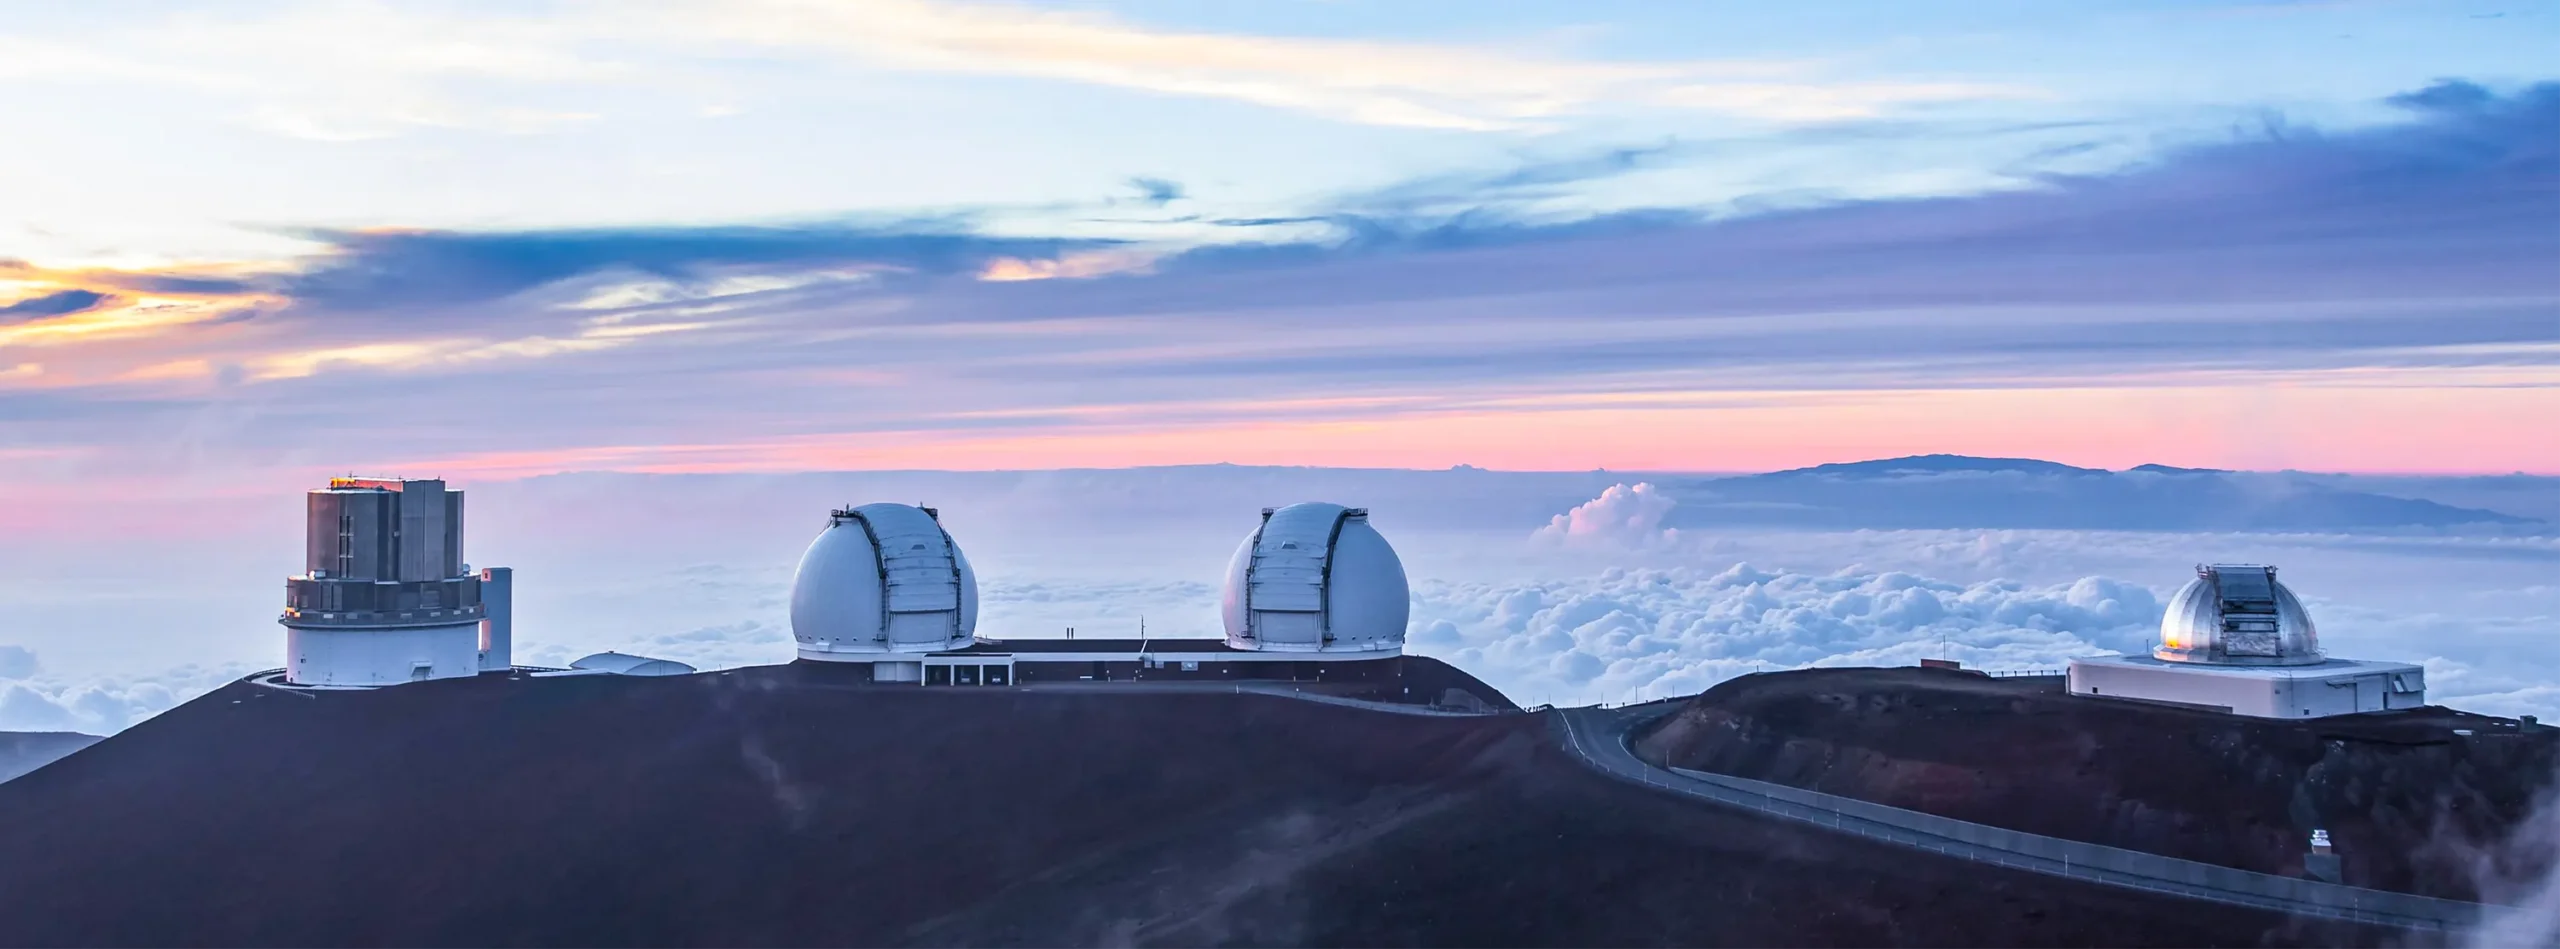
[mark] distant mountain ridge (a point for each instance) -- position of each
(1962, 491)
(21, 752)
(1935, 464)
(1941, 463)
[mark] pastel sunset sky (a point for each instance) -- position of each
(245, 243)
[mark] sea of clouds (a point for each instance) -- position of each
(1600, 603)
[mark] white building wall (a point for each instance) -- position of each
(2244, 696)
(2336, 687)
(370, 657)
(897, 671)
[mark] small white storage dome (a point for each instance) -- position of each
(882, 578)
(1316, 577)
(625, 664)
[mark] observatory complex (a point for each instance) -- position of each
(1313, 594)
(385, 597)
(2235, 640)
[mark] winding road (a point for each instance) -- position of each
(1601, 738)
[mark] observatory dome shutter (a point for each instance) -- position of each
(1289, 561)
(2246, 596)
(918, 572)
(2237, 613)
(1285, 593)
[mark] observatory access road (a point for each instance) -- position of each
(1250, 688)
(1176, 687)
(1602, 737)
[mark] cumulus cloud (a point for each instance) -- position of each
(105, 705)
(1626, 634)
(1623, 515)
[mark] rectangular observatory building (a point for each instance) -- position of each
(2331, 687)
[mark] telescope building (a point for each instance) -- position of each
(1314, 594)
(385, 596)
(2235, 640)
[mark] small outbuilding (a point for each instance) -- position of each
(625, 664)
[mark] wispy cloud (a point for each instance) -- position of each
(343, 71)
(352, 71)
(2389, 275)
(1381, 83)
(57, 303)
(410, 268)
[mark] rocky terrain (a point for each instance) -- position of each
(2412, 802)
(788, 805)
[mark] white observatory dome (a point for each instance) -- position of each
(882, 578)
(1316, 578)
(2238, 614)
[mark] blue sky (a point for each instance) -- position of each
(794, 234)
(193, 131)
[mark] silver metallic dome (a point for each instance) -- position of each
(2237, 614)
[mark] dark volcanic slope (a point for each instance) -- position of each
(21, 752)
(779, 806)
(2410, 804)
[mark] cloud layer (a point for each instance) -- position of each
(100, 705)
(1648, 633)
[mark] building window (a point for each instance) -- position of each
(964, 675)
(937, 675)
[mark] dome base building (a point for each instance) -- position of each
(1039, 661)
(2331, 687)
(2235, 640)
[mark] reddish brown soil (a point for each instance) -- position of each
(2411, 805)
(780, 806)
